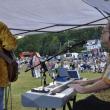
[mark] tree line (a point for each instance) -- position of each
(52, 43)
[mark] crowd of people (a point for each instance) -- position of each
(88, 63)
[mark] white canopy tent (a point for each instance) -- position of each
(103, 5)
(24, 16)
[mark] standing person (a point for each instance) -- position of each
(30, 65)
(36, 61)
(98, 88)
(7, 42)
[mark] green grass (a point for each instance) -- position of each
(25, 82)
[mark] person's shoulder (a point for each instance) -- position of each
(4, 28)
(2, 24)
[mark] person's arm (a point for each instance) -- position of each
(86, 82)
(97, 86)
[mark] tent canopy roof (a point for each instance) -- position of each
(50, 15)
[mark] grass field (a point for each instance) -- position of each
(25, 82)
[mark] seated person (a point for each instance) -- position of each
(100, 87)
(62, 74)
